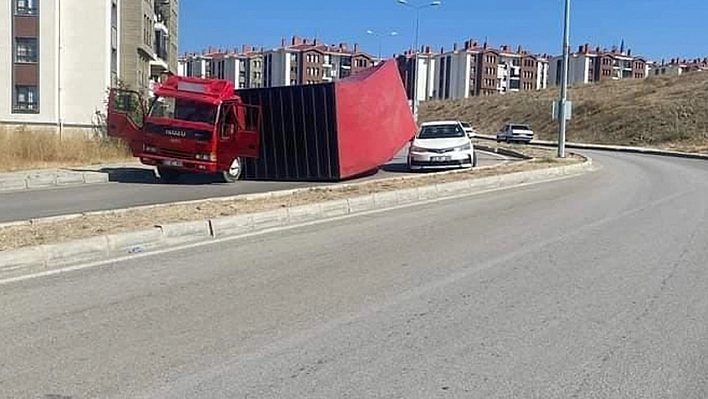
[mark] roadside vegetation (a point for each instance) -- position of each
(665, 112)
(24, 149)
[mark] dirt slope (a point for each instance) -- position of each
(659, 112)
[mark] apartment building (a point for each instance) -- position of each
(148, 42)
(62, 56)
(244, 68)
(472, 71)
(48, 82)
(596, 65)
(426, 65)
(677, 67)
(299, 61)
(308, 62)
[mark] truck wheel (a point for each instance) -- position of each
(168, 175)
(234, 172)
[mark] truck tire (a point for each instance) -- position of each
(168, 175)
(234, 172)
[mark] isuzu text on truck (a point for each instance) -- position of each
(320, 132)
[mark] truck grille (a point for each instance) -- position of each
(176, 153)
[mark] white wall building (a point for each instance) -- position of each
(47, 81)
(477, 70)
(593, 65)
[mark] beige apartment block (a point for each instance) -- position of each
(148, 42)
(58, 58)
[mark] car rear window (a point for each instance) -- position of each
(520, 127)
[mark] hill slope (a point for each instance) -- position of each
(659, 112)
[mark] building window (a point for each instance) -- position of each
(114, 16)
(26, 99)
(26, 7)
(26, 50)
(114, 61)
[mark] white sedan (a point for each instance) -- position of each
(441, 145)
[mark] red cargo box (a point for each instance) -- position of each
(331, 131)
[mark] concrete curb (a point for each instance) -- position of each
(247, 197)
(614, 148)
(502, 151)
(170, 235)
(52, 180)
(61, 177)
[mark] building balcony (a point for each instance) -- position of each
(327, 78)
(327, 65)
(161, 27)
(158, 66)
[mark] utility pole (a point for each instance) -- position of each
(380, 38)
(564, 82)
(417, 9)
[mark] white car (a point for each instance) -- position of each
(469, 129)
(515, 132)
(441, 145)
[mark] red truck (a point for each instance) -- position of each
(320, 132)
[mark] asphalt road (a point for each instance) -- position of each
(590, 287)
(139, 187)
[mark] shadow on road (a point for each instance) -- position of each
(130, 175)
(401, 167)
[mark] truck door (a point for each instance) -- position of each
(239, 132)
(126, 112)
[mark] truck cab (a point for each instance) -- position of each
(191, 125)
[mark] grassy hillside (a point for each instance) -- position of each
(662, 112)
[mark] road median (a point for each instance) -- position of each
(111, 234)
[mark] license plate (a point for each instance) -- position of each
(440, 159)
(168, 162)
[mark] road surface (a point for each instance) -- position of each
(589, 287)
(139, 187)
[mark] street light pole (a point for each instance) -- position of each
(381, 37)
(417, 9)
(564, 82)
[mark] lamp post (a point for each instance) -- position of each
(564, 82)
(381, 37)
(417, 8)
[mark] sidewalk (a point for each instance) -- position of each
(69, 176)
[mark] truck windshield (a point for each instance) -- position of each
(182, 109)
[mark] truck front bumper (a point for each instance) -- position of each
(176, 163)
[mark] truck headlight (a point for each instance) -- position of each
(149, 148)
(206, 157)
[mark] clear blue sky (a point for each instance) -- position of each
(654, 28)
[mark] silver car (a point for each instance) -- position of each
(514, 132)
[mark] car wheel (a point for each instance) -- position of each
(168, 175)
(234, 172)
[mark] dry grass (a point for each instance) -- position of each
(136, 219)
(24, 149)
(658, 112)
